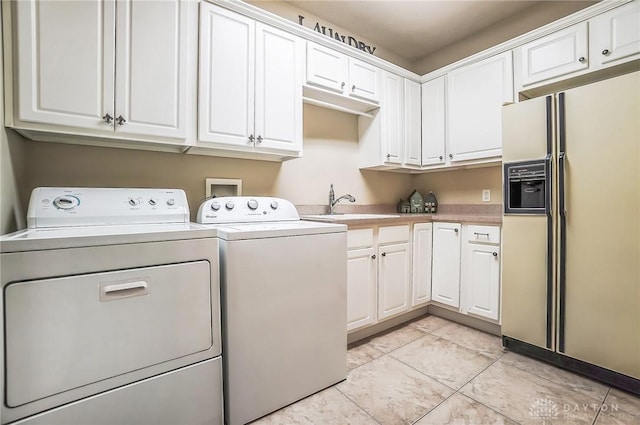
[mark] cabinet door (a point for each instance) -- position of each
(151, 67)
(476, 94)
(327, 68)
(422, 253)
(412, 123)
(445, 278)
(394, 285)
(615, 35)
(278, 85)
(433, 121)
(361, 287)
(65, 53)
(557, 54)
(364, 80)
(226, 77)
(392, 110)
(480, 280)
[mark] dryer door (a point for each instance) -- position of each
(66, 332)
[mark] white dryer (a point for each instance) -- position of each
(284, 303)
(110, 310)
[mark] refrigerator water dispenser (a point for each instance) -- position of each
(525, 188)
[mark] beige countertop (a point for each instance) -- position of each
(353, 220)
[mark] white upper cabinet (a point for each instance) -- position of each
(615, 35)
(476, 94)
(250, 85)
(330, 70)
(392, 112)
(433, 122)
(557, 54)
(327, 68)
(412, 127)
(103, 66)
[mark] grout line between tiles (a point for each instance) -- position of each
(360, 407)
(595, 419)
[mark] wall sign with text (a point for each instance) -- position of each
(346, 39)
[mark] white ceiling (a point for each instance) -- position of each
(413, 29)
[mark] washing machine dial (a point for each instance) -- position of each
(252, 204)
(153, 202)
(133, 202)
(171, 202)
(229, 205)
(274, 205)
(215, 205)
(66, 202)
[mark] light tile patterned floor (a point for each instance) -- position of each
(432, 371)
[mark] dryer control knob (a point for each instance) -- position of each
(215, 205)
(66, 202)
(171, 202)
(153, 202)
(229, 205)
(133, 202)
(252, 204)
(274, 205)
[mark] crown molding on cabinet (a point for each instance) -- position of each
(310, 35)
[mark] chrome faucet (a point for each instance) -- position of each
(333, 201)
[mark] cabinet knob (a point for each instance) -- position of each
(251, 138)
(353, 87)
(440, 157)
(384, 254)
(342, 85)
(606, 52)
(455, 230)
(259, 139)
(373, 256)
(120, 120)
(495, 254)
(108, 118)
(582, 59)
(450, 155)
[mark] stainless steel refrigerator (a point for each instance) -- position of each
(571, 229)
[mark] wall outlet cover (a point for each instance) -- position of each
(486, 195)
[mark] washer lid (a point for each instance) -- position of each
(239, 231)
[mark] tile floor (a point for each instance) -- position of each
(433, 371)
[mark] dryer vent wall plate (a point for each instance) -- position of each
(223, 187)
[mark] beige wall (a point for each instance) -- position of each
(330, 156)
(462, 186)
(534, 17)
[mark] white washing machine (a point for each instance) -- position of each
(284, 303)
(110, 311)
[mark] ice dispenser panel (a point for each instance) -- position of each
(526, 187)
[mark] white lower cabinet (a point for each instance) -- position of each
(378, 274)
(480, 271)
(422, 254)
(445, 280)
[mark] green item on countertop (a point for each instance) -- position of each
(417, 203)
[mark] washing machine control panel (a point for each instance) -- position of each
(67, 207)
(246, 209)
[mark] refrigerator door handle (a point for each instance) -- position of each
(548, 213)
(562, 212)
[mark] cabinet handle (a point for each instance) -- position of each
(495, 254)
(108, 118)
(388, 155)
(481, 234)
(251, 138)
(582, 59)
(353, 87)
(373, 256)
(606, 52)
(120, 120)
(450, 155)
(259, 139)
(455, 230)
(384, 254)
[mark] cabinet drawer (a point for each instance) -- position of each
(359, 238)
(483, 234)
(389, 234)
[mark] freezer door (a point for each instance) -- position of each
(600, 269)
(525, 134)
